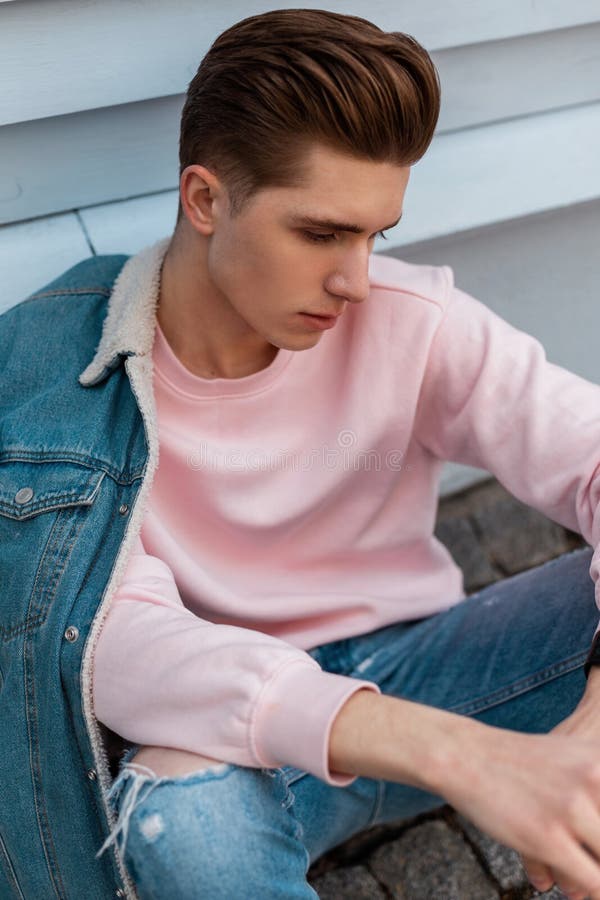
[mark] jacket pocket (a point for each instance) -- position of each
(42, 508)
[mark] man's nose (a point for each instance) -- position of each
(351, 278)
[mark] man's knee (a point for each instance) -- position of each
(168, 761)
(215, 834)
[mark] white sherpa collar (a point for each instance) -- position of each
(130, 322)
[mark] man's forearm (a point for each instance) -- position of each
(378, 736)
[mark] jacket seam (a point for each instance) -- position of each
(78, 458)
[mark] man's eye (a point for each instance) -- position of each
(324, 238)
(318, 238)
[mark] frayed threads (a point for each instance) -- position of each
(130, 801)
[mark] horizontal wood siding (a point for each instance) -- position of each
(64, 162)
(63, 56)
(468, 179)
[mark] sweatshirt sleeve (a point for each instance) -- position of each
(165, 677)
(491, 399)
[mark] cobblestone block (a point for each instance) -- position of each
(458, 535)
(502, 862)
(516, 537)
(355, 882)
(431, 862)
(472, 499)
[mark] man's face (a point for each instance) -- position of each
(270, 264)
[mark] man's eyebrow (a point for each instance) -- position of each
(318, 222)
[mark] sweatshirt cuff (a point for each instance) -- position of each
(294, 715)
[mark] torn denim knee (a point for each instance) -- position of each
(130, 801)
(139, 776)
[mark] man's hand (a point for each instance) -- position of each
(536, 793)
(583, 722)
(540, 795)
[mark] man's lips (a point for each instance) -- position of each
(321, 322)
(325, 315)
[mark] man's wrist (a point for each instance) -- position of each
(378, 736)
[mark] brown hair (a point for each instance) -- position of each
(272, 84)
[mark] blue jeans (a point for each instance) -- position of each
(510, 655)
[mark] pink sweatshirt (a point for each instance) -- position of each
(296, 506)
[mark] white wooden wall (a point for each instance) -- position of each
(89, 118)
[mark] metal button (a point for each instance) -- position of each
(72, 633)
(123, 509)
(91, 774)
(119, 893)
(24, 495)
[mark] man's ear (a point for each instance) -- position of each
(202, 195)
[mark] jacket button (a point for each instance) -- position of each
(91, 774)
(24, 495)
(123, 509)
(72, 633)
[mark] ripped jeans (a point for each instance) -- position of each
(510, 655)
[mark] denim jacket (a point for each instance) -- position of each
(78, 452)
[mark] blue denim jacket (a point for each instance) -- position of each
(78, 451)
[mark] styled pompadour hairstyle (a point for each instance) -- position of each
(273, 84)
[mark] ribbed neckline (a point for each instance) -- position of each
(172, 371)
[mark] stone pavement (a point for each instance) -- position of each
(440, 855)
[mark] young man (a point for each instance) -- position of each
(219, 473)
